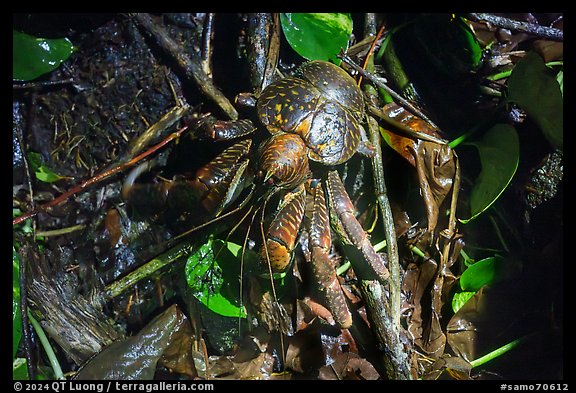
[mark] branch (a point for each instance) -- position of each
(96, 179)
(192, 66)
(548, 33)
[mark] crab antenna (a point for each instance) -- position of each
(212, 221)
(277, 308)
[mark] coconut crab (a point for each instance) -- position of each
(314, 116)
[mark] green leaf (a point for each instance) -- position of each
(484, 272)
(533, 88)
(212, 274)
(499, 153)
(459, 299)
(47, 175)
(33, 57)
(560, 80)
(16, 317)
(449, 43)
(42, 172)
(19, 369)
(317, 36)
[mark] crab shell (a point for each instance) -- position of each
(322, 104)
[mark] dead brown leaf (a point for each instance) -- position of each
(348, 366)
(136, 357)
(449, 367)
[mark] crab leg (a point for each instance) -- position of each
(209, 127)
(344, 210)
(322, 265)
(283, 230)
(220, 181)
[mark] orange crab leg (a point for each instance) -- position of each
(219, 181)
(283, 231)
(322, 265)
(215, 186)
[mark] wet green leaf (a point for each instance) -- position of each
(318, 36)
(42, 172)
(459, 299)
(47, 175)
(484, 272)
(33, 57)
(19, 369)
(499, 154)
(535, 89)
(212, 273)
(449, 43)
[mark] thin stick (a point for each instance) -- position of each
(35, 85)
(371, 51)
(98, 178)
(384, 204)
(548, 33)
(206, 50)
(384, 310)
(390, 232)
(191, 65)
(381, 82)
(277, 308)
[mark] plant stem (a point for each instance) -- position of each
(461, 138)
(507, 73)
(379, 246)
(60, 231)
(418, 252)
(58, 374)
(499, 75)
(497, 352)
(344, 267)
(173, 254)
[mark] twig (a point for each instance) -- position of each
(384, 311)
(172, 255)
(396, 359)
(35, 85)
(98, 178)
(191, 64)
(369, 59)
(382, 197)
(386, 211)
(548, 33)
(381, 82)
(59, 231)
(206, 51)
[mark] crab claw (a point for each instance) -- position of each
(214, 187)
(284, 161)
